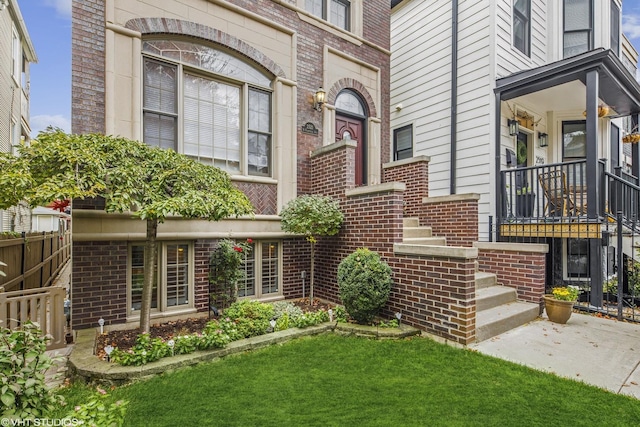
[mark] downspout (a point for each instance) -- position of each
(454, 95)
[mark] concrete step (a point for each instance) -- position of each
(414, 232)
(432, 241)
(484, 280)
(411, 222)
(494, 296)
(497, 320)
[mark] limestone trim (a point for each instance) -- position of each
(436, 251)
(451, 198)
(387, 187)
(167, 26)
(335, 146)
(404, 162)
(512, 247)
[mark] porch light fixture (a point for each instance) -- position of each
(319, 99)
(514, 127)
(542, 139)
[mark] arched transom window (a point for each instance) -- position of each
(349, 102)
(207, 104)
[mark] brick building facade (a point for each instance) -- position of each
(277, 50)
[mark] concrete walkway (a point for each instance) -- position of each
(601, 352)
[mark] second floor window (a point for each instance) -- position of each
(209, 105)
(522, 26)
(337, 12)
(615, 28)
(578, 27)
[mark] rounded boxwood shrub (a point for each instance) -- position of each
(364, 282)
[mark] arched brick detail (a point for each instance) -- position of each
(148, 26)
(349, 83)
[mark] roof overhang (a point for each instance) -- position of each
(29, 50)
(617, 87)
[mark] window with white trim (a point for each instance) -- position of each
(173, 277)
(261, 271)
(209, 105)
(578, 27)
(522, 26)
(16, 55)
(337, 12)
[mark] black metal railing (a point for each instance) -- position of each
(555, 192)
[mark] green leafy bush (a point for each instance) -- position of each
(286, 307)
(23, 363)
(311, 319)
(340, 314)
(251, 317)
(97, 412)
(144, 351)
(364, 283)
(225, 270)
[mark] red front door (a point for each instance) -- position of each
(348, 128)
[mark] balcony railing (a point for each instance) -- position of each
(557, 193)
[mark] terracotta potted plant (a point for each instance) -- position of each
(559, 303)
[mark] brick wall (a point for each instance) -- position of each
(518, 265)
(454, 217)
(99, 283)
(433, 292)
(414, 173)
(87, 67)
(263, 197)
(295, 259)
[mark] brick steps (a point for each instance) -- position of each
(497, 307)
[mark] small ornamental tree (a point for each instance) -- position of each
(131, 176)
(364, 283)
(312, 216)
(225, 271)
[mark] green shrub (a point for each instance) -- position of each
(340, 314)
(251, 317)
(23, 363)
(145, 350)
(97, 412)
(364, 283)
(310, 319)
(225, 270)
(286, 307)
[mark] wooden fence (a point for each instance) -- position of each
(44, 306)
(33, 262)
(33, 259)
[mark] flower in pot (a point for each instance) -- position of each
(559, 303)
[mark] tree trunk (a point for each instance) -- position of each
(150, 250)
(313, 255)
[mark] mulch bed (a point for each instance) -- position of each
(126, 339)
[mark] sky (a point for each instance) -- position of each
(49, 26)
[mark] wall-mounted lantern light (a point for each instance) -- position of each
(543, 139)
(514, 127)
(319, 99)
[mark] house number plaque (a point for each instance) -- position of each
(309, 128)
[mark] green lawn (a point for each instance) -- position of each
(330, 380)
